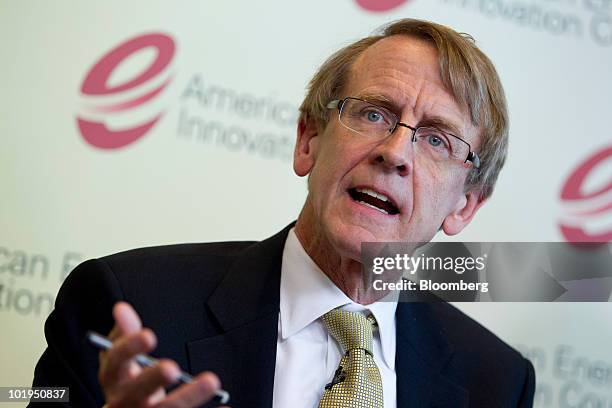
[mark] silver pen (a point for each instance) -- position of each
(104, 343)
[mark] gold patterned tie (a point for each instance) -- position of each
(357, 382)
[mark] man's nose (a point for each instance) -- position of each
(396, 152)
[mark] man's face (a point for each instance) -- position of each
(405, 72)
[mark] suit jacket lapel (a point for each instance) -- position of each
(421, 353)
(246, 307)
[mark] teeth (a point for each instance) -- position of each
(373, 194)
(371, 206)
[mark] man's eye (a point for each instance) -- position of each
(374, 116)
(435, 140)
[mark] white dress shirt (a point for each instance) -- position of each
(306, 354)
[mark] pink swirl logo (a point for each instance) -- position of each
(109, 100)
(379, 6)
(589, 203)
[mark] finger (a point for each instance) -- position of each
(126, 318)
(117, 363)
(112, 336)
(140, 389)
(114, 333)
(133, 370)
(200, 391)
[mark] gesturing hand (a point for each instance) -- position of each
(126, 384)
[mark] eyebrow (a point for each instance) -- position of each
(442, 124)
(381, 99)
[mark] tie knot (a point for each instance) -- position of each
(352, 330)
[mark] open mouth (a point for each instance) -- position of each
(372, 199)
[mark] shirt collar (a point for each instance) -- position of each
(306, 293)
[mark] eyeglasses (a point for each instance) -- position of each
(376, 121)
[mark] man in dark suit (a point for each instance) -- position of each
(401, 135)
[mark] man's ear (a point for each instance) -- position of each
(304, 154)
(463, 213)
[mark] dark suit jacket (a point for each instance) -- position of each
(215, 307)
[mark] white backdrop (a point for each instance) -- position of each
(216, 165)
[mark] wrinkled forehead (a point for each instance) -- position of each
(403, 73)
(403, 53)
